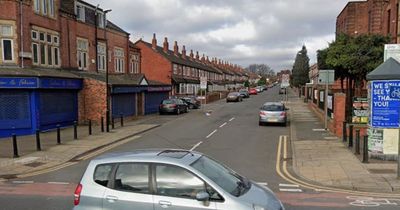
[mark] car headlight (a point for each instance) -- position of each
(256, 207)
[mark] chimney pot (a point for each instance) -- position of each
(154, 41)
(184, 51)
(191, 54)
(176, 49)
(197, 55)
(165, 45)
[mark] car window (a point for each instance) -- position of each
(167, 102)
(133, 177)
(273, 108)
(177, 182)
(102, 174)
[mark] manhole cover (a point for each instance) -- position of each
(382, 171)
(34, 164)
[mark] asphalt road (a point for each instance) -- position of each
(229, 134)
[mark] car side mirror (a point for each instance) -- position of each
(202, 196)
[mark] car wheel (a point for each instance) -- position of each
(191, 106)
(260, 123)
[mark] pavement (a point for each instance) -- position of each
(319, 157)
(324, 159)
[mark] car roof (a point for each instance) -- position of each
(166, 156)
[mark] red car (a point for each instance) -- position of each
(253, 91)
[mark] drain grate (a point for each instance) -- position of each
(34, 164)
(382, 171)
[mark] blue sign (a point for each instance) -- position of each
(129, 89)
(385, 108)
(60, 83)
(18, 82)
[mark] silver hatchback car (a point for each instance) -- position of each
(168, 179)
(273, 112)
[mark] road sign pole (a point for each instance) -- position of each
(326, 103)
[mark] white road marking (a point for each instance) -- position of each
(22, 182)
(290, 190)
(223, 125)
(330, 137)
(288, 185)
(209, 135)
(319, 129)
(60, 183)
(262, 183)
(195, 146)
(231, 119)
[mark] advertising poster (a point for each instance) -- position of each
(375, 140)
(360, 110)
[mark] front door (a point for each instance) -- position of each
(176, 189)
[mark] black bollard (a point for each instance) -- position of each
(350, 136)
(344, 132)
(122, 120)
(58, 135)
(75, 130)
(15, 145)
(102, 124)
(365, 149)
(90, 127)
(38, 146)
(357, 151)
(112, 123)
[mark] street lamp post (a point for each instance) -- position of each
(106, 66)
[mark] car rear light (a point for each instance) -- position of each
(263, 114)
(283, 114)
(77, 194)
(173, 105)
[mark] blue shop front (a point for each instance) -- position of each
(31, 103)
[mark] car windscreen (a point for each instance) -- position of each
(273, 108)
(168, 102)
(233, 94)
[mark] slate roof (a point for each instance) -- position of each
(37, 72)
(111, 25)
(388, 70)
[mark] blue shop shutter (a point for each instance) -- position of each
(124, 104)
(15, 109)
(58, 107)
(153, 100)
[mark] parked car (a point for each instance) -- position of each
(273, 112)
(176, 106)
(234, 96)
(163, 179)
(192, 102)
(253, 91)
(259, 89)
(244, 93)
(282, 91)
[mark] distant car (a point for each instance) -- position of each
(259, 89)
(168, 179)
(282, 91)
(234, 96)
(244, 93)
(192, 102)
(253, 91)
(273, 112)
(176, 106)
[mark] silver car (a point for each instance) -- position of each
(273, 112)
(168, 179)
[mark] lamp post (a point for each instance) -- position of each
(106, 66)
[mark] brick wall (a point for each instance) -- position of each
(92, 101)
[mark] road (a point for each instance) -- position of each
(229, 134)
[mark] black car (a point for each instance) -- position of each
(176, 106)
(191, 102)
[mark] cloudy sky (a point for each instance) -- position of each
(239, 31)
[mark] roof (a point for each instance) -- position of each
(37, 72)
(170, 55)
(111, 25)
(388, 70)
(113, 79)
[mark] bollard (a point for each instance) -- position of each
(344, 132)
(122, 120)
(357, 151)
(350, 136)
(112, 123)
(58, 135)
(90, 127)
(102, 124)
(365, 149)
(38, 146)
(15, 146)
(75, 130)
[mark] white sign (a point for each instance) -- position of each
(392, 50)
(326, 76)
(285, 80)
(330, 102)
(203, 83)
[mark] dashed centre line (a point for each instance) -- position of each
(195, 146)
(231, 119)
(209, 135)
(223, 124)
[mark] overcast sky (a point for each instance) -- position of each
(239, 31)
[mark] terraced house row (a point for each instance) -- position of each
(62, 61)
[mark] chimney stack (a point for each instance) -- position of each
(203, 58)
(197, 55)
(165, 45)
(191, 54)
(183, 52)
(176, 49)
(154, 41)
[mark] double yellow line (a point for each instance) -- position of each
(281, 169)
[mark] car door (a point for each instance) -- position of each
(176, 189)
(129, 188)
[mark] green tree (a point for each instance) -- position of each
(301, 67)
(262, 81)
(247, 83)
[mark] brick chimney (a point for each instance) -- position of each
(191, 54)
(183, 52)
(165, 44)
(197, 55)
(176, 49)
(203, 58)
(154, 42)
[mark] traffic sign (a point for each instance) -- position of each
(203, 83)
(384, 107)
